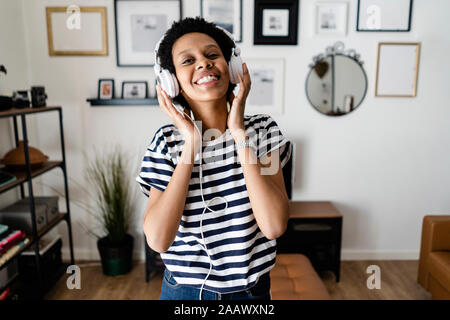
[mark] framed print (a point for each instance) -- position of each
(134, 90)
(267, 91)
(397, 69)
(76, 31)
(105, 88)
(276, 22)
(384, 15)
(224, 13)
(331, 18)
(139, 26)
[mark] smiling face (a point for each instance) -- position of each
(201, 68)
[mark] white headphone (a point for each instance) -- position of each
(169, 84)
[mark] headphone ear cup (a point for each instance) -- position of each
(169, 83)
(176, 87)
(235, 67)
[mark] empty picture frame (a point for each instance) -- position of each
(397, 69)
(73, 32)
(139, 26)
(384, 15)
(267, 91)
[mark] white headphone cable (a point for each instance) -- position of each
(206, 204)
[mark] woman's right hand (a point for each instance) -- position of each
(182, 122)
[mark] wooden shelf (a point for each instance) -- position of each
(41, 233)
(18, 112)
(123, 102)
(21, 175)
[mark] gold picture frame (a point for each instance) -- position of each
(397, 69)
(53, 49)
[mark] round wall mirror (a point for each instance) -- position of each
(336, 83)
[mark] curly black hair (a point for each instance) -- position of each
(188, 25)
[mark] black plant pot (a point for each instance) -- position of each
(117, 259)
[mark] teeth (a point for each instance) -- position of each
(207, 79)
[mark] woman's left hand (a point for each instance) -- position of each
(235, 120)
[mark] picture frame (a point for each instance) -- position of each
(105, 89)
(134, 90)
(331, 18)
(224, 15)
(267, 92)
(397, 69)
(275, 22)
(384, 15)
(139, 25)
(67, 36)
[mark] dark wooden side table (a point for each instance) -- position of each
(315, 230)
(153, 261)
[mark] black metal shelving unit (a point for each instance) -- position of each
(39, 288)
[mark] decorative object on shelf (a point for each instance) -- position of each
(397, 69)
(15, 158)
(134, 90)
(224, 13)
(50, 253)
(6, 103)
(51, 205)
(66, 38)
(105, 88)
(267, 91)
(115, 207)
(384, 15)
(276, 22)
(139, 26)
(18, 216)
(336, 83)
(20, 99)
(38, 97)
(331, 18)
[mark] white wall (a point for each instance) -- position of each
(14, 54)
(384, 166)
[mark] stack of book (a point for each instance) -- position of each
(10, 242)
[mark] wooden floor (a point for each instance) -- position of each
(398, 281)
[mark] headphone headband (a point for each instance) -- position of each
(169, 81)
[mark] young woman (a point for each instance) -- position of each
(215, 228)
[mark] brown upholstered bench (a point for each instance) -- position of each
(294, 278)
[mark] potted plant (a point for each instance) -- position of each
(114, 211)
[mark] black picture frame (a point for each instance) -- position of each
(291, 39)
(135, 82)
(116, 27)
(237, 40)
(100, 86)
(408, 29)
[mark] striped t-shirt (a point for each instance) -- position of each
(239, 251)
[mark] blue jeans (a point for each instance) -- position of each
(171, 290)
